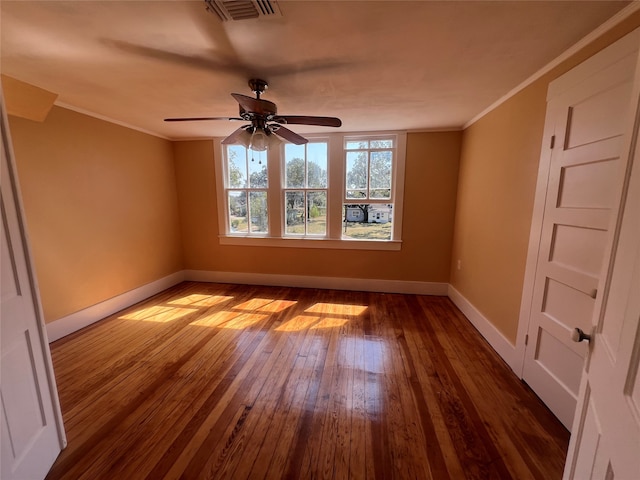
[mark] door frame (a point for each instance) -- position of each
(33, 282)
(616, 51)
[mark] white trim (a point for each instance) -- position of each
(491, 334)
(627, 45)
(78, 320)
(535, 233)
(310, 242)
(89, 113)
(606, 26)
(335, 283)
(71, 323)
(436, 129)
(335, 200)
(83, 318)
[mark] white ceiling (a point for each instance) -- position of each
(378, 65)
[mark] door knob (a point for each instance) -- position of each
(578, 335)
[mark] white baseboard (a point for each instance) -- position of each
(71, 323)
(335, 283)
(491, 334)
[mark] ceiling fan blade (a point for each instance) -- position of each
(255, 105)
(235, 136)
(306, 120)
(196, 119)
(290, 136)
(209, 61)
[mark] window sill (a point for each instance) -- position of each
(389, 245)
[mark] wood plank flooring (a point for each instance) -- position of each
(227, 381)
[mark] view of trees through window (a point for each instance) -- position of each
(306, 189)
(369, 167)
(247, 195)
(302, 178)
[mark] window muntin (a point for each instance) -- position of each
(247, 183)
(306, 186)
(369, 166)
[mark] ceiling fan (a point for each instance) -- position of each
(265, 123)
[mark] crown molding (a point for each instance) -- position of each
(605, 27)
(99, 116)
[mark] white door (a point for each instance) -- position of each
(588, 116)
(606, 436)
(32, 434)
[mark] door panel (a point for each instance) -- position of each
(32, 433)
(559, 361)
(601, 175)
(606, 439)
(584, 184)
(578, 248)
(591, 434)
(564, 304)
(586, 127)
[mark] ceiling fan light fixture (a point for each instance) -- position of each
(243, 138)
(259, 141)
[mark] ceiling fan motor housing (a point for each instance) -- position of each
(258, 86)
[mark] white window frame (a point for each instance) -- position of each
(336, 170)
(394, 171)
(305, 190)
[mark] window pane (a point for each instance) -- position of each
(294, 156)
(258, 171)
(380, 173)
(383, 194)
(258, 209)
(381, 143)
(317, 165)
(368, 221)
(237, 157)
(294, 205)
(356, 145)
(356, 194)
(317, 208)
(356, 171)
(238, 212)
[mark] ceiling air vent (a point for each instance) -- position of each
(234, 10)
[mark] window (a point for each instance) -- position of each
(305, 189)
(337, 191)
(367, 211)
(247, 186)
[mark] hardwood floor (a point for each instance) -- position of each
(229, 381)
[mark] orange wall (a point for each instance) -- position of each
(429, 209)
(101, 208)
(498, 173)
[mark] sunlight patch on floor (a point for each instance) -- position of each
(245, 321)
(315, 317)
(158, 314)
(329, 322)
(264, 305)
(299, 322)
(200, 300)
(337, 309)
(228, 319)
